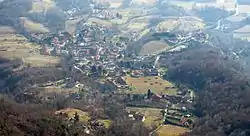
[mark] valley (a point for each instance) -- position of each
(109, 67)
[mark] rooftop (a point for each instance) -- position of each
(236, 18)
(244, 29)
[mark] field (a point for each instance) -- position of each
(136, 26)
(170, 24)
(16, 46)
(185, 23)
(153, 116)
(153, 47)
(143, 2)
(116, 3)
(70, 112)
(156, 84)
(170, 130)
(33, 27)
(51, 91)
(106, 122)
(139, 23)
(100, 22)
(42, 5)
(186, 5)
(128, 14)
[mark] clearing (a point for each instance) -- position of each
(153, 116)
(153, 47)
(171, 130)
(157, 85)
(70, 112)
(105, 122)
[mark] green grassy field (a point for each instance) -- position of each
(156, 84)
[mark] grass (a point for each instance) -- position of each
(19, 47)
(168, 25)
(33, 27)
(171, 130)
(153, 47)
(153, 116)
(53, 90)
(116, 3)
(144, 32)
(148, 2)
(70, 112)
(6, 30)
(100, 22)
(106, 122)
(186, 5)
(185, 23)
(136, 26)
(141, 85)
(42, 60)
(40, 6)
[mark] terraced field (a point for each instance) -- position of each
(17, 46)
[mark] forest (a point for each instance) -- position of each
(222, 90)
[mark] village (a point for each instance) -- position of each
(100, 53)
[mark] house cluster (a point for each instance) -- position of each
(105, 14)
(94, 46)
(56, 44)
